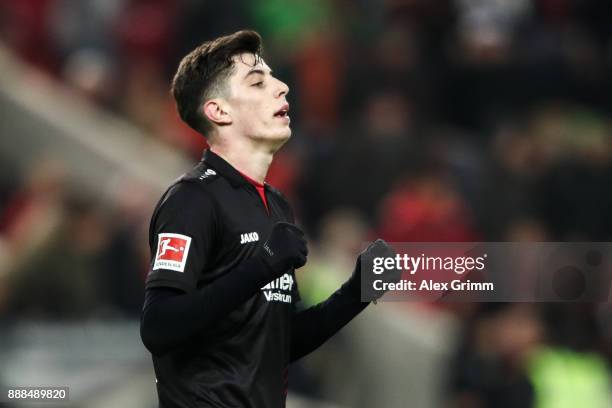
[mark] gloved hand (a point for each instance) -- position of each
(285, 248)
(362, 280)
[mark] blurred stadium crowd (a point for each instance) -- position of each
(413, 120)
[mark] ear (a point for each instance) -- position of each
(216, 111)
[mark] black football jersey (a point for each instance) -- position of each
(205, 224)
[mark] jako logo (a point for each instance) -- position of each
(249, 237)
(208, 172)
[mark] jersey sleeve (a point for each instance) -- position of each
(181, 236)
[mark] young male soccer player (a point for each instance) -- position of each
(219, 314)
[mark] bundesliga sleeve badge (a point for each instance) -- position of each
(172, 251)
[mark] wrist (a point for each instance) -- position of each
(353, 285)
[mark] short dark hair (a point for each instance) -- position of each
(202, 74)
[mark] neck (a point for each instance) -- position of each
(248, 158)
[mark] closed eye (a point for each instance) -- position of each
(258, 84)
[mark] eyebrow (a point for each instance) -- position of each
(256, 71)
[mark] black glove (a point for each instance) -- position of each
(362, 280)
(284, 249)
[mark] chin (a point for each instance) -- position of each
(281, 136)
(286, 134)
(276, 139)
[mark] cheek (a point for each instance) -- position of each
(258, 115)
(251, 111)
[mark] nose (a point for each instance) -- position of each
(282, 90)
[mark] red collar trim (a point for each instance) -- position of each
(250, 180)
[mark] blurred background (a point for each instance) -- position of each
(413, 120)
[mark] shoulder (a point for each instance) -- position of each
(201, 175)
(193, 190)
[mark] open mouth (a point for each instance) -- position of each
(282, 112)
